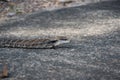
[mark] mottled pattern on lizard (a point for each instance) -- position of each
(33, 43)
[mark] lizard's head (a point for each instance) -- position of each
(61, 40)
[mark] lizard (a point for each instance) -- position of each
(34, 43)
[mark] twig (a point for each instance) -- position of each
(4, 72)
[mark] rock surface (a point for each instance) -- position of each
(93, 54)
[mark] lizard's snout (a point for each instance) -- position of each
(59, 42)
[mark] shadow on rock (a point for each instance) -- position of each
(46, 19)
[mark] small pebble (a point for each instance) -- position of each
(72, 50)
(11, 14)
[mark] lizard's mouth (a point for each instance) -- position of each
(59, 42)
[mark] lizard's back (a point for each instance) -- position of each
(33, 43)
(27, 43)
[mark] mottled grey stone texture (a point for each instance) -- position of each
(92, 54)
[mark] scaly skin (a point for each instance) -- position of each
(32, 43)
